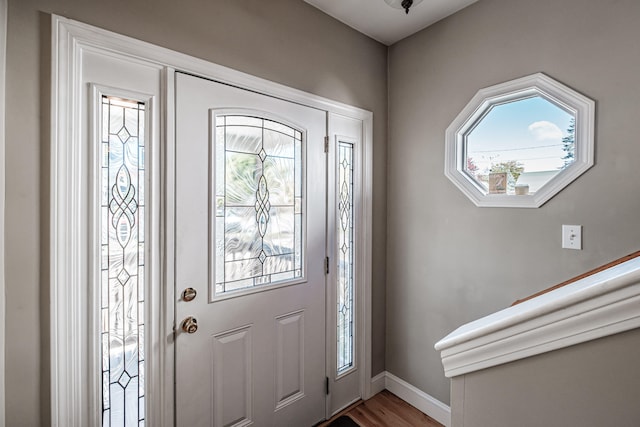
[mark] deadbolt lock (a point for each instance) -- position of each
(190, 325)
(189, 294)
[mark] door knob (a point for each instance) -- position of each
(189, 294)
(190, 325)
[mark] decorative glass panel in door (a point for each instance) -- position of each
(259, 202)
(122, 179)
(345, 255)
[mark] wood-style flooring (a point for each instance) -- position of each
(385, 409)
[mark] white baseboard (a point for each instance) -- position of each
(378, 383)
(412, 395)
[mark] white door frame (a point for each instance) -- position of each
(71, 42)
(3, 59)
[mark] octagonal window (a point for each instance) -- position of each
(519, 143)
(520, 146)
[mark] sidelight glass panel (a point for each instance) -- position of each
(259, 202)
(345, 281)
(122, 265)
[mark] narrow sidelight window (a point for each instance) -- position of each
(122, 278)
(345, 257)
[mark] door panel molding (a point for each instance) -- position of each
(231, 365)
(290, 353)
(74, 43)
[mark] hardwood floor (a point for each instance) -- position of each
(385, 409)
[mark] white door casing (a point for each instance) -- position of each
(77, 52)
(3, 40)
(76, 339)
(257, 357)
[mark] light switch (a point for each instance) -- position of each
(572, 237)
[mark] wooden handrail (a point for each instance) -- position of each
(582, 276)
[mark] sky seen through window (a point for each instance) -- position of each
(528, 131)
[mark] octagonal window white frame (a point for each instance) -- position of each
(539, 84)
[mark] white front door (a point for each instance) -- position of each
(250, 242)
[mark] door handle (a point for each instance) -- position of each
(189, 294)
(190, 325)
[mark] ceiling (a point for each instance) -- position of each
(383, 23)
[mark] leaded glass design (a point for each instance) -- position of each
(259, 202)
(122, 214)
(345, 256)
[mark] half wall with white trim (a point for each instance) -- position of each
(567, 357)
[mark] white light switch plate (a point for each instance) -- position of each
(572, 237)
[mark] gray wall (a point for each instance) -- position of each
(286, 41)
(593, 384)
(449, 262)
(442, 251)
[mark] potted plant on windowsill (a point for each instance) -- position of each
(504, 177)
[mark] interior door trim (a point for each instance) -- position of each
(71, 40)
(3, 63)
